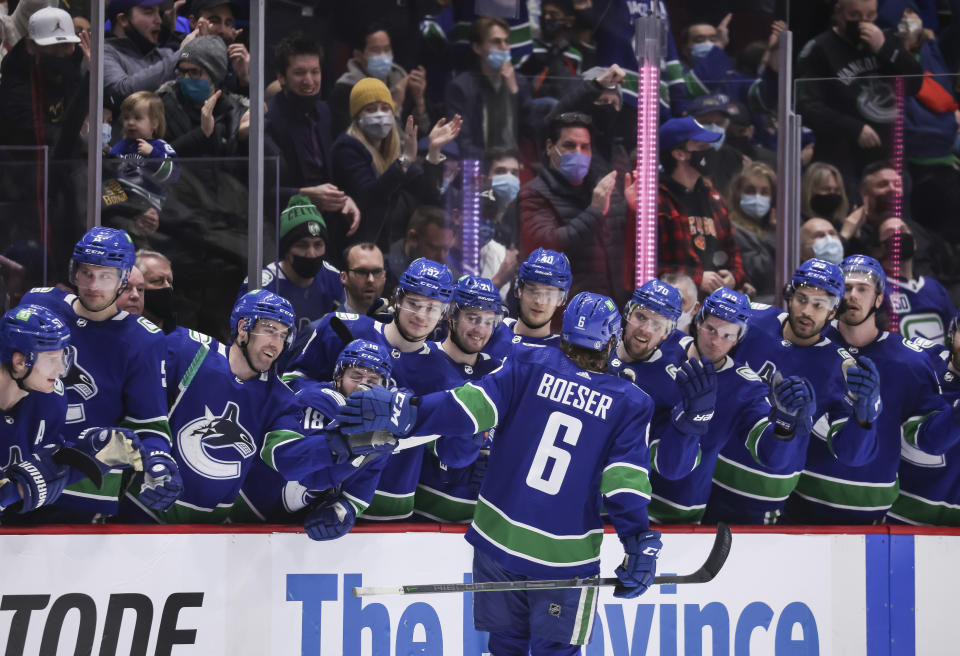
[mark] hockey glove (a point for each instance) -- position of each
(863, 390)
(346, 447)
(639, 564)
(794, 403)
(697, 381)
(111, 447)
(378, 409)
(39, 478)
(330, 519)
(162, 483)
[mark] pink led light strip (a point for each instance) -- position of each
(897, 162)
(648, 88)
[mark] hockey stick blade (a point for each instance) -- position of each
(86, 465)
(706, 572)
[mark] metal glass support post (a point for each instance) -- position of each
(94, 115)
(788, 165)
(255, 143)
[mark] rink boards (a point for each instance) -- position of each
(254, 592)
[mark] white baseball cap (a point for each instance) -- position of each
(50, 26)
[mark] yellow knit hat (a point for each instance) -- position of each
(366, 91)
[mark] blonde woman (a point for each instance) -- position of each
(822, 194)
(377, 165)
(751, 202)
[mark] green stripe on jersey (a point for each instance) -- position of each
(914, 509)
(475, 401)
(848, 494)
(272, 441)
(443, 507)
(754, 436)
(584, 624)
(181, 513)
(534, 545)
(156, 426)
(386, 506)
(112, 482)
(621, 477)
(752, 483)
(359, 505)
(667, 512)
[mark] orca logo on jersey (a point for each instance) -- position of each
(79, 379)
(199, 439)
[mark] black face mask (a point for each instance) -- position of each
(741, 143)
(883, 205)
(825, 204)
(140, 41)
(306, 267)
(700, 160)
(551, 28)
(159, 303)
(899, 241)
(62, 66)
(851, 30)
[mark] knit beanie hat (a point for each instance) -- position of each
(300, 219)
(210, 53)
(366, 91)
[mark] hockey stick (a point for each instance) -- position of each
(709, 569)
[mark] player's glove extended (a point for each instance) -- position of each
(360, 448)
(378, 409)
(794, 403)
(111, 447)
(38, 479)
(330, 519)
(162, 483)
(639, 564)
(863, 389)
(697, 381)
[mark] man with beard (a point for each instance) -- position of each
(447, 492)
(847, 394)
(833, 492)
(117, 375)
(301, 275)
(542, 285)
(930, 483)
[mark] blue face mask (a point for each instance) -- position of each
(718, 144)
(505, 187)
(196, 91)
(497, 58)
(701, 50)
(574, 167)
(379, 66)
(756, 206)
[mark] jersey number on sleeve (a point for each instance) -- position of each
(549, 452)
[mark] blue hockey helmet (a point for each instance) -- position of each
(477, 292)
(427, 278)
(261, 304)
(548, 268)
(853, 265)
(31, 329)
(658, 297)
(367, 354)
(726, 304)
(590, 320)
(108, 247)
(821, 275)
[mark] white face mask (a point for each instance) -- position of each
(828, 248)
(684, 321)
(755, 206)
(376, 125)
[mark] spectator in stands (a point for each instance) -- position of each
(133, 59)
(819, 239)
(688, 292)
(499, 227)
(496, 103)
(754, 217)
(920, 305)
(429, 235)
(724, 162)
(703, 50)
(741, 133)
(558, 57)
(158, 304)
(38, 79)
(364, 276)
(131, 298)
(13, 24)
(372, 162)
(880, 186)
(823, 194)
(694, 228)
(574, 208)
(299, 125)
(217, 17)
(853, 113)
(373, 57)
(203, 119)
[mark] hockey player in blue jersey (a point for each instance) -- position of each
(847, 406)
(116, 375)
(832, 492)
(419, 302)
(569, 437)
(930, 482)
(446, 492)
(684, 458)
(329, 502)
(543, 281)
(302, 275)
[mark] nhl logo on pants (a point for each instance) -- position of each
(555, 610)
